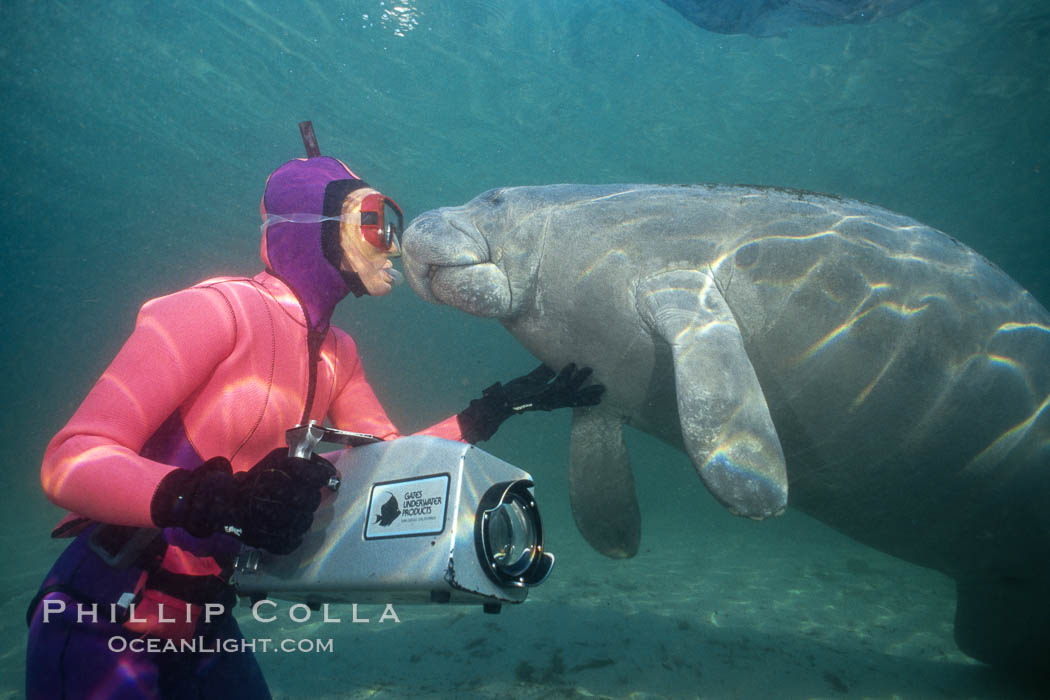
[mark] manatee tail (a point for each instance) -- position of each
(1005, 622)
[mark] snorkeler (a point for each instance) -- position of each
(177, 455)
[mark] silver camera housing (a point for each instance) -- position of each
(402, 527)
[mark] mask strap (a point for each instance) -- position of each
(297, 218)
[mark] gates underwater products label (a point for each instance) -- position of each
(408, 507)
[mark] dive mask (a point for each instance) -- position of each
(382, 224)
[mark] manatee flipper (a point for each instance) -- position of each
(601, 486)
(726, 427)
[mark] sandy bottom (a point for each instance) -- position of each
(784, 610)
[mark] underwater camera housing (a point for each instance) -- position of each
(417, 519)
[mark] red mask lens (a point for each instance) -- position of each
(372, 222)
(381, 222)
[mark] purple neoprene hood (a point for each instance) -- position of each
(293, 251)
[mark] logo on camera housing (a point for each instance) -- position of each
(407, 507)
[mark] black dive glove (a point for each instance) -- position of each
(269, 506)
(533, 392)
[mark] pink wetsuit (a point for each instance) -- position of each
(219, 369)
(230, 356)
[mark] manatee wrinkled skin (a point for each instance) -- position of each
(887, 378)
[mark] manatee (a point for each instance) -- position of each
(888, 378)
(763, 18)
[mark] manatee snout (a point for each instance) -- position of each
(447, 261)
(416, 252)
(435, 239)
(430, 243)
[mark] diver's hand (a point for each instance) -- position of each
(534, 391)
(269, 506)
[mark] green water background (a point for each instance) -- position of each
(136, 138)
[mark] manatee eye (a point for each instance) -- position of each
(493, 197)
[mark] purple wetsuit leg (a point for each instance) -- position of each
(71, 658)
(94, 661)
